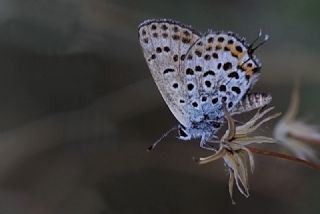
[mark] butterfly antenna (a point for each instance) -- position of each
(252, 49)
(245, 62)
(161, 138)
(256, 39)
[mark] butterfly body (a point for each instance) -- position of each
(199, 73)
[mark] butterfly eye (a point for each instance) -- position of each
(182, 133)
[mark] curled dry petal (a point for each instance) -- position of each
(219, 154)
(236, 163)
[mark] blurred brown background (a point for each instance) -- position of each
(79, 108)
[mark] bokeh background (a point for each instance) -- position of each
(79, 108)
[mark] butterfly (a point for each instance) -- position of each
(199, 74)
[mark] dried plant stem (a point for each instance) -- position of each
(284, 156)
(305, 139)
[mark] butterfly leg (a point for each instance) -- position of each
(205, 145)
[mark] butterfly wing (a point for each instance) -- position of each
(223, 69)
(165, 44)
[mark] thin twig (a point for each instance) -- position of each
(305, 139)
(284, 156)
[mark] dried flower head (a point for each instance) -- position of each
(234, 151)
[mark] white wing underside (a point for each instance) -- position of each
(196, 73)
(166, 59)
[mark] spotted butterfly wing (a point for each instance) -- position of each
(197, 73)
(165, 44)
(223, 70)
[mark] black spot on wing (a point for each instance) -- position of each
(234, 75)
(236, 89)
(168, 70)
(207, 73)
